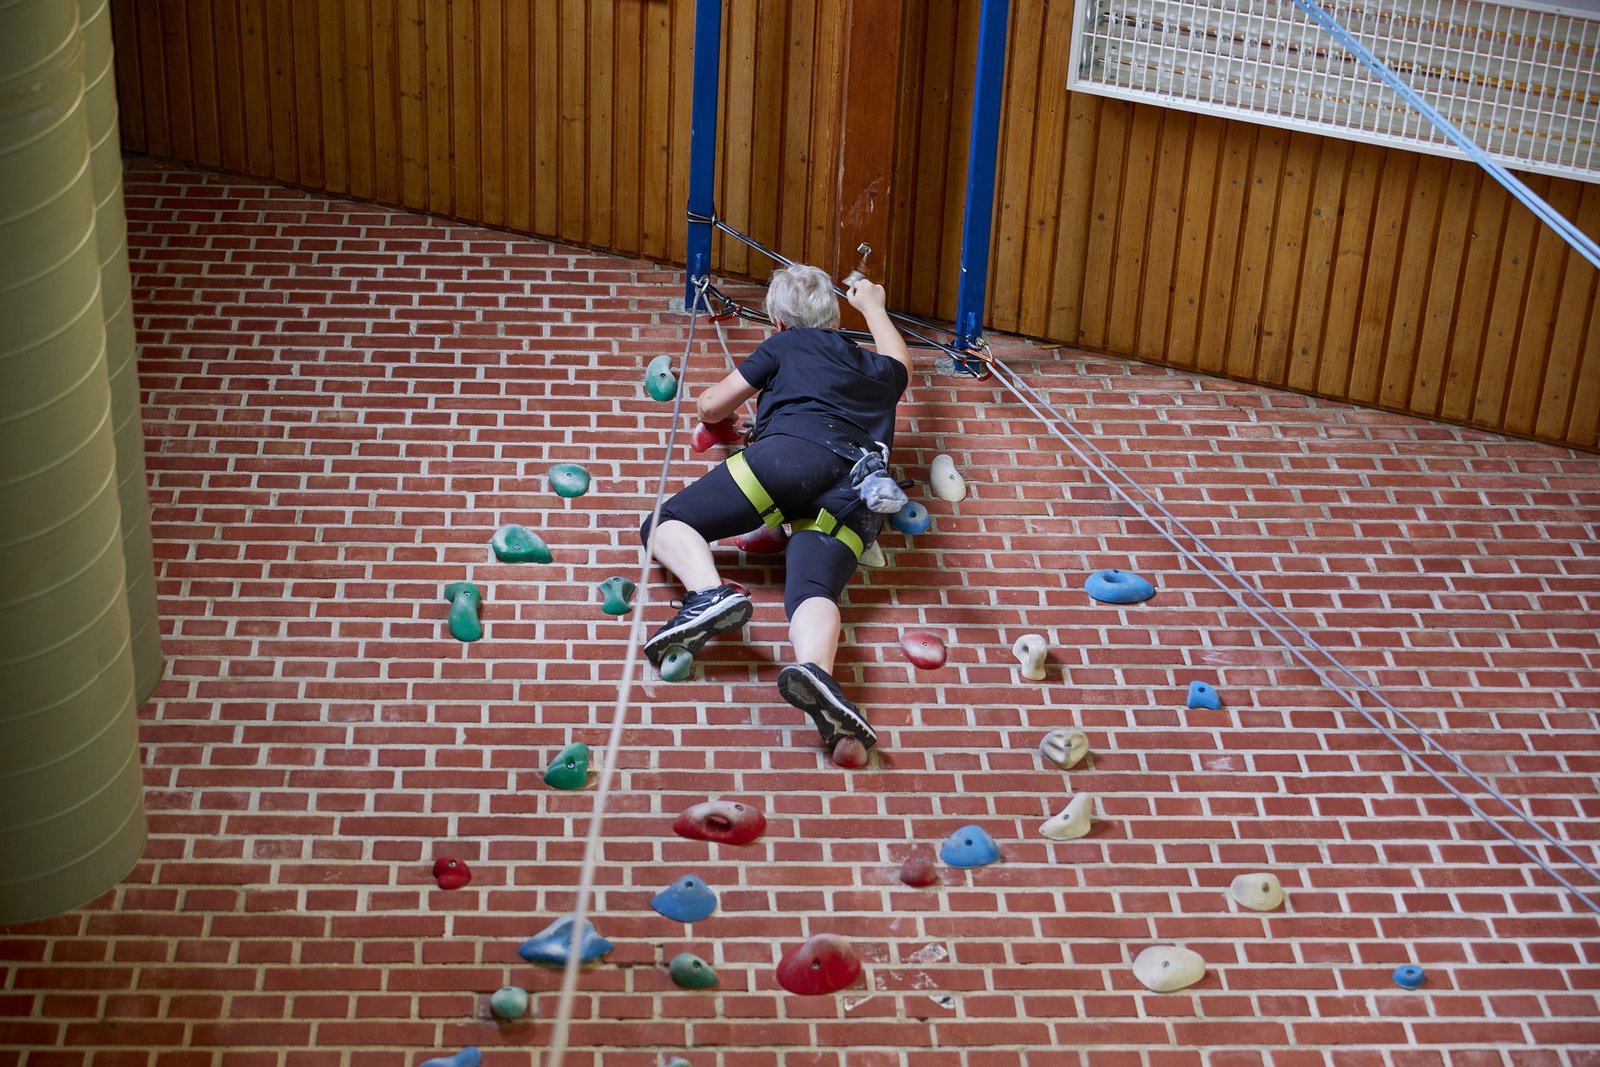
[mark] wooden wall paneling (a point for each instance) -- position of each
(599, 121)
(627, 48)
(1569, 339)
(437, 107)
(1220, 279)
(465, 103)
(1044, 187)
(896, 267)
(655, 128)
(1349, 271)
(517, 131)
(1505, 312)
(1452, 240)
(1381, 262)
(1165, 219)
(929, 52)
(1072, 215)
(1528, 360)
(494, 146)
(1132, 233)
(228, 55)
(873, 41)
(547, 108)
(1583, 425)
(306, 93)
(361, 151)
(336, 106)
(257, 87)
(282, 110)
(411, 134)
(678, 113)
(153, 80)
(130, 94)
(1014, 167)
(1290, 232)
(800, 172)
(176, 70)
(1257, 229)
(389, 155)
(1465, 346)
(1194, 228)
(959, 116)
(1413, 271)
(572, 141)
(734, 156)
(769, 179)
(200, 26)
(1324, 221)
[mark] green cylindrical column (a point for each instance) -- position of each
(71, 800)
(116, 300)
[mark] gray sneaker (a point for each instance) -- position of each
(701, 616)
(813, 690)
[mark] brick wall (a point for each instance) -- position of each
(344, 402)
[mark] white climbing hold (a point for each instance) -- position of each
(872, 556)
(1168, 968)
(1258, 892)
(1030, 651)
(1065, 747)
(1074, 820)
(945, 481)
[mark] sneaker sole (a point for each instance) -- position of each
(797, 686)
(692, 636)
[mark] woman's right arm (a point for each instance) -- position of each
(867, 298)
(723, 399)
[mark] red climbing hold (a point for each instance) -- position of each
(925, 650)
(850, 753)
(450, 872)
(918, 871)
(824, 964)
(723, 821)
(765, 541)
(713, 433)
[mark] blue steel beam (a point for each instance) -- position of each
(703, 148)
(989, 82)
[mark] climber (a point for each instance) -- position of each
(817, 460)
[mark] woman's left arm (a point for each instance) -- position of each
(723, 399)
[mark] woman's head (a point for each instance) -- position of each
(802, 296)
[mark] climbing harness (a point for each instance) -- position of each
(825, 523)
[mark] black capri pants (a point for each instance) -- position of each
(802, 477)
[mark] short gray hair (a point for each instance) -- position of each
(802, 296)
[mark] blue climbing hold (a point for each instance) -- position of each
(970, 846)
(467, 1057)
(552, 944)
(912, 519)
(1409, 976)
(688, 900)
(1118, 587)
(1202, 695)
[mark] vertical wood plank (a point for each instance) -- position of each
(233, 153)
(956, 158)
(519, 116)
(767, 180)
(361, 151)
(1527, 364)
(466, 112)
(1257, 227)
(924, 241)
(1452, 240)
(868, 120)
(1571, 350)
(1465, 346)
(1325, 220)
(1189, 268)
(799, 169)
(1132, 235)
(1076, 207)
(392, 164)
(283, 110)
(1222, 252)
(1410, 283)
(336, 106)
(437, 105)
(1505, 312)
(655, 136)
(1349, 271)
(627, 45)
(547, 110)
(307, 93)
(1381, 262)
(572, 167)
(1287, 261)
(177, 68)
(1014, 167)
(1583, 426)
(678, 128)
(1044, 188)
(200, 23)
(738, 119)
(152, 63)
(411, 34)
(492, 142)
(1161, 248)
(600, 206)
(130, 93)
(253, 50)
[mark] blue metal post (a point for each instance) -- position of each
(703, 147)
(988, 85)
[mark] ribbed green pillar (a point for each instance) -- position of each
(71, 800)
(116, 288)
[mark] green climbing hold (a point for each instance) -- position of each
(518, 544)
(464, 599)
(570, 769)
(676, 663)
(692, 972)
(658, 379)
(508, 1002)
(569, 479)
(617, 591)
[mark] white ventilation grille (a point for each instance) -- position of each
(1523, 82)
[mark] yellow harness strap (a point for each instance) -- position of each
(761, 500)
(825, 523)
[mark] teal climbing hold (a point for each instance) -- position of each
(1118, 587)
(659, 381)
(467, 1057)
(692, 972)
(508, 1002)
(570, 768)
(518, 544)
(554, 942)
(688, 900)
(618, 592)
(912, 519)
(464, 599)
(970, 846)
(676, 664)
(569, 479)
(1202, 695)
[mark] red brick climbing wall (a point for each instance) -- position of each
(344, 402)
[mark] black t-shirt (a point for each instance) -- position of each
(820, 385)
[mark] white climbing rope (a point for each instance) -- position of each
(580, 911)
(1006, 376)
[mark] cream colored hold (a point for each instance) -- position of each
(1065, 747)
(872, 556)
(1258, 892)
(945, 481)
(1074, 821)
(1030, 651)
(1168, 968)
